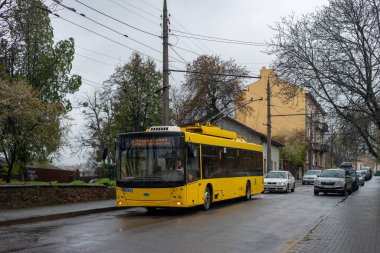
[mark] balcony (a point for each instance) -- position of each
(320, 147)
(322, 127)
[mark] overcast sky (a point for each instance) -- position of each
(97, 56)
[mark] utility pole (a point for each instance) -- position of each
(269, 126)
(165, 67)
(331, 149)
(310, 151)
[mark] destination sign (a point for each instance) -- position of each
(142, 142)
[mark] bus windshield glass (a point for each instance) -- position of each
(151, 159)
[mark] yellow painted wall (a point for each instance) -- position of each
(258, 118)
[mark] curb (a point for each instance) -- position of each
(56, 216)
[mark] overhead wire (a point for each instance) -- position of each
(118, 20)
(195, 44)
(144, 11)
(184, 49)
(216, 74)
(89, 58)
(219, 41)
(212, 38)
(91, 72)
(179, 55)
(124, 35)
(109, 28)
(133, 12)
(154, 7)
(100, 35)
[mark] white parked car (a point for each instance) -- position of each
(310, 176)
(279, 181)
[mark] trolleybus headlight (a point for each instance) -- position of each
(179, 203)
(119, 203)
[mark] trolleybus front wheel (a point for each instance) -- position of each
(207, 198)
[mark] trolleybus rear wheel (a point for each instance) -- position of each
(247, 191)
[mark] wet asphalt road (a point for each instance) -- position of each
(270, 222)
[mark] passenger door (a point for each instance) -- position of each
(193, 175)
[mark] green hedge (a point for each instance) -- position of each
(103, 181)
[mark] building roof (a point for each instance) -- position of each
(261, 135)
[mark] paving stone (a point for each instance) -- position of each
(352, 226)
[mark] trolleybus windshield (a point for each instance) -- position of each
(151, 160)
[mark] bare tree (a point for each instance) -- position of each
(335, 53)
(99, 114)
(211, 86)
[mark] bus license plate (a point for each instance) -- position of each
(127, 189)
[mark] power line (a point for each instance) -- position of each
(185, 49)
(219, 41)
(90, 72)
(89, 30)
(73, 10)
(223, 39)
(115, 31)
(99, 53)
(215, 74)
(179, 56)
(133, 12)
(154, 7)
(89, 58)
(294, 114)
(148, 13)
(115, 19)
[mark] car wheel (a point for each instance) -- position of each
(294, 187)
(345, 192)
(316, 192)
(303, 183)
(325, 193)
(287, 189)
(247, 191)
(207, 199)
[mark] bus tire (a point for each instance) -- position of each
(247, 191)
(207, 198)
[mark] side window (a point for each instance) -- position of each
(211, 157)
(192, 168)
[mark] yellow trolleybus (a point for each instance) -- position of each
(169, 166)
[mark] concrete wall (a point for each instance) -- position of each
(30, 196)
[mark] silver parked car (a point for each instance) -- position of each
(279, 181)
(361, 174)
(310, 176)
(334, 181)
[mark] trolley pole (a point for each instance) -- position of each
(269, 126)
(165, 69)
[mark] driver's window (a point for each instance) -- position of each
(192, 164)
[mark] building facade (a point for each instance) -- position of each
(301, 113)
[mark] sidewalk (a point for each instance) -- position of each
(352, 226)
(44, 213)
